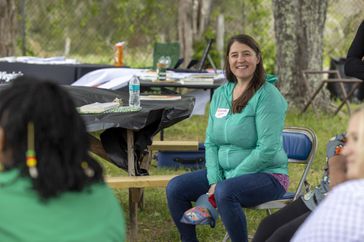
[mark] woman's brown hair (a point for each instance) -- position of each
(259, 74)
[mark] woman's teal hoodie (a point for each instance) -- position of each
(245, 142)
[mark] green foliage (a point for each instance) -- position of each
(253, 17)
(342, 22)
(94, 26)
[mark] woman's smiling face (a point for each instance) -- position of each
(242, 61)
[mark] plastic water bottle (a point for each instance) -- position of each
(134, 92)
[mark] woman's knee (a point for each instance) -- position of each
(174, 186)
(221, 193)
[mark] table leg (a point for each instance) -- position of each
(130, 142)
(133, 192)
(134, 198)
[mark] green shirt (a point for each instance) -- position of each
(91, 215)
(249, 141)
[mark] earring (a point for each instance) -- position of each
(31, 159)
(87, 169)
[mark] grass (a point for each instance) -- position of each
(154, 221)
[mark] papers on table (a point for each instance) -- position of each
(98, 107)
(108, 78)
(116, 78)
(116, 83)
(159, 98)
(148, 75)
(201, 79)
(197, 81)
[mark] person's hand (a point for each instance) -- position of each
(337, 170)
(211, 190)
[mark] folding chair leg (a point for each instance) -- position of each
(269, 212)
(226, 237)
(345, 99)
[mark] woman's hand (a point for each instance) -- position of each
(337, 170)
(211, 190)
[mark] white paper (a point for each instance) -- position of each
(98, 107)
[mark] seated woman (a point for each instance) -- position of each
(354, 63)
(281, 226)
(340, 217)
(245, 161)
(50, 187)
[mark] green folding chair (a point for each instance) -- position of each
(172, 50)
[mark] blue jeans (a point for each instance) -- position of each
(231, 194)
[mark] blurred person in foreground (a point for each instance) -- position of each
(283, 224)
(245, 161)
(50, 187)
(340, 217)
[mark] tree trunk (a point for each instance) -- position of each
(185, 29)
(220, 32)
(203, 11)
(193, 18)
(310, 45)
(299, 26)
(7, 27)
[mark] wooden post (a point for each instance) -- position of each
(130, 142)
(133, 203)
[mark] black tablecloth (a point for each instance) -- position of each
(59, 73)
(154, 116)
(166, 113)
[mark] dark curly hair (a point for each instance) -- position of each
(60, 137)
(259, 74)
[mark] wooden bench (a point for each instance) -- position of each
(170, 145)
(136, 185)
(122, 182)
(162, 145)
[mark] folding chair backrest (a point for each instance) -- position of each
(300, 145)
(204, 55)
(199, 64)
(172, 50)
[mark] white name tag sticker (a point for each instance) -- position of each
(221, 112)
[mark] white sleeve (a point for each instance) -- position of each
(339, 217)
